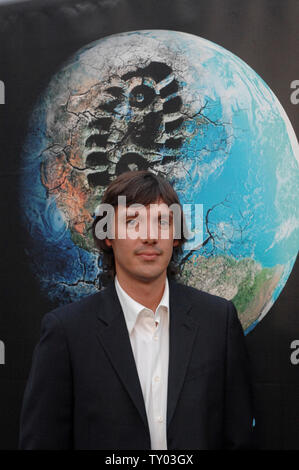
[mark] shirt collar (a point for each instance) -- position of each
(132, 308)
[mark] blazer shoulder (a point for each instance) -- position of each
(76, 311)
(196, 295)
(205, 307)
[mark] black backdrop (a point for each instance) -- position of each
(35, 39)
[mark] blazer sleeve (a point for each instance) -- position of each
(238, 390)
(46, 415)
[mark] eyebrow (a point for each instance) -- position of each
(168, 215)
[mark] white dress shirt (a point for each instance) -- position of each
(149, 336)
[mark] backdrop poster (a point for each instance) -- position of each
(205, 93)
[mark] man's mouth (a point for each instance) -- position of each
(148, 255)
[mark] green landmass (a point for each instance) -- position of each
(249, 288)
(245, 282)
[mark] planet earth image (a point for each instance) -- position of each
(184, 108)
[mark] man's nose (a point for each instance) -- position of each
(150, 233)
(149, 241)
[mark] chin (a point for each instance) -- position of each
(149, 275)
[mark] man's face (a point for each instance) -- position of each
(143, 242)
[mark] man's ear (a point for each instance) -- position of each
(108, 242)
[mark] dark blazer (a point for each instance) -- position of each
(83, 390)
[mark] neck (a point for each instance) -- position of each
(147, 293)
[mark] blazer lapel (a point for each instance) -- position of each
(113, 335)
(182, 332)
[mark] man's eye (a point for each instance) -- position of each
(131, 222)
(164, 223)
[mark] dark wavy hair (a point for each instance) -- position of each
(142, 187)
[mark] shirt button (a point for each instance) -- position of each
(157, 378)
(160, 419)
(156, 338)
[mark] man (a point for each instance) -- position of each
(146, 363)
